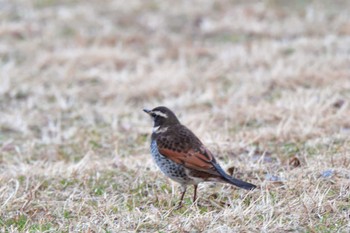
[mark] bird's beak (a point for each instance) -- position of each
(147, 111)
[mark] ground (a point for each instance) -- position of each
(264, 84)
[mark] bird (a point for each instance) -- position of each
(182, 157)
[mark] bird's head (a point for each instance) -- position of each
(162, 117)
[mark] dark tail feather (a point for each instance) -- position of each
(240, 183)
(234, 181)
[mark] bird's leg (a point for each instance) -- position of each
(183, 188)
(195, 193)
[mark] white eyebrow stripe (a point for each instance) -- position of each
(159, 113)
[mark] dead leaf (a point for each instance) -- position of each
(230, 170)
(294, 162)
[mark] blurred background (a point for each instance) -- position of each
(78, 73)
(264, 84)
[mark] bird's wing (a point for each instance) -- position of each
(190, 159)
(183, 147)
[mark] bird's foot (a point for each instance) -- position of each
(179, 206)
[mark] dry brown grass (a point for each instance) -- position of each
(260, 82)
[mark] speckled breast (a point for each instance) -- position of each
(171, 169)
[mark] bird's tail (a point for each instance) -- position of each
(240, 183)
(234, 181)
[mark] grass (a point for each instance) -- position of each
(264, 84)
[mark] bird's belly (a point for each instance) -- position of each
(171, 169)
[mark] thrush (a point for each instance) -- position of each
(182, 157)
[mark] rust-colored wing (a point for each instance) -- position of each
(183, 147)
(180, 145)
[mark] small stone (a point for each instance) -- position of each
(327, 173)
(273, 178)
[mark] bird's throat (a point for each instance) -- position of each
(158, 129)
